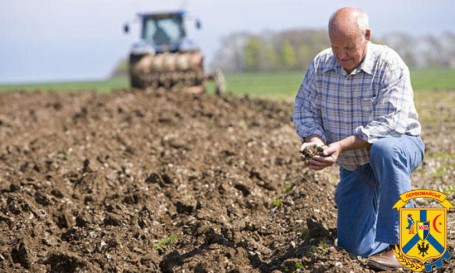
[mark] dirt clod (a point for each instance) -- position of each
(312, 150)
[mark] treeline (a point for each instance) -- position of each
(295, 49)
(432, 50)
(270, 51)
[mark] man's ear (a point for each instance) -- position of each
(368, 34)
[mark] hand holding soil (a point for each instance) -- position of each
(312, 150)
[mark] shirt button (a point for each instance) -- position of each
(348, 101)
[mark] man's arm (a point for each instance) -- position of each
(306, 116)
(393, 111)
(348, 144)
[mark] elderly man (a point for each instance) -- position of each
(357, 99)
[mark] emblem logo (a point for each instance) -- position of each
(423, 232)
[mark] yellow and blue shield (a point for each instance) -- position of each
(423, 229)
(423, 233)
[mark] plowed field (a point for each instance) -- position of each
(168, 182)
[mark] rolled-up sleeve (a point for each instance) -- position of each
(391, 107)
(307, 115)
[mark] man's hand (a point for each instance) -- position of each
(333, 150)
(305, 145)
(328, 158)
(310, 149)
(330, 153)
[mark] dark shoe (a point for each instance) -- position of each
(385, 261)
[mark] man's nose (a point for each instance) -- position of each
(341, 54)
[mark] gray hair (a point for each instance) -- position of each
(362, 22)
(361, 18)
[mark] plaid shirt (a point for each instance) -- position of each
(372, 102)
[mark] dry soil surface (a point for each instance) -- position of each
(168, 182)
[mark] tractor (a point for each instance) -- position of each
(166, 58)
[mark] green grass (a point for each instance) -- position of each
(279, 84)
(432, 79)
(286, 84)
(101, 86)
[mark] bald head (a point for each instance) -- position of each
(349, 20)
(349, 35)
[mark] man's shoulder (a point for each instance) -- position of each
(384, 53)
(386, 60)
(325, 55)
(325, 60)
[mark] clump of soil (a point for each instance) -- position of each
(160, 182)
(312, 150)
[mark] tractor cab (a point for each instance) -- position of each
(165, 32)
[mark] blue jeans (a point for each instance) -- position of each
(367, 224)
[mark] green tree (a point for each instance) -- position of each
(305, 55)
(271, 58)
(252, 54)
(288, 56)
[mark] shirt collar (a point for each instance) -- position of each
(368, 62)
(366, 65)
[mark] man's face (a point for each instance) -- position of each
(349, 48)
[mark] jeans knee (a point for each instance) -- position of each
(383, 149)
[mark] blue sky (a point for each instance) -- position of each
(57, 40)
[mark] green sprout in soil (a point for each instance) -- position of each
(449, 190)
(321, 249)
(306, 234)
(63, 155)
(277, 203)
(324, 246)
(298, 265)
(288, 188)
(166, 241)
